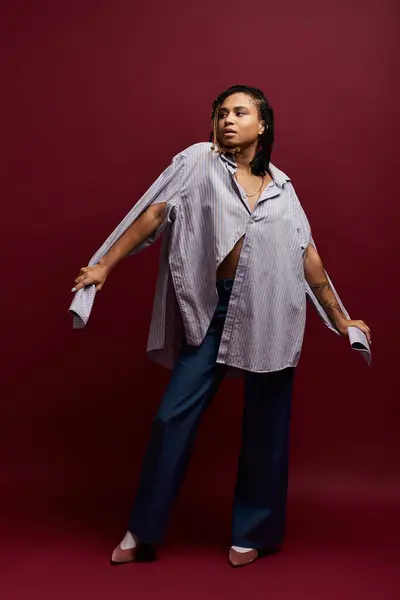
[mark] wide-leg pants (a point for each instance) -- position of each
(259, 505)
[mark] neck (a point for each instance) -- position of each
(245, 156)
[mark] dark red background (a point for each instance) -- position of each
(97, 98)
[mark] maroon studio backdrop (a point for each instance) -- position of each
(97, 98)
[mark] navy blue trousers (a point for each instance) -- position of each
(259, 505)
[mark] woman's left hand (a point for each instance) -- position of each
(344, 325)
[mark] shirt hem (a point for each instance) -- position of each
(251, 370)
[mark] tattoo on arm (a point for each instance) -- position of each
(321, 286)
(331, 306)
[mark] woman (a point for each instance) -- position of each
(237, 261)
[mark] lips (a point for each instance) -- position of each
(229, 131)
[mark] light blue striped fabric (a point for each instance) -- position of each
(207, 213)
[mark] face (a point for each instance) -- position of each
(239, 123)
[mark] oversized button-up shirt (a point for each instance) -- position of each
(206, 214)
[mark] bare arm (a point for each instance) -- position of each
(316, 277)
(140, 230)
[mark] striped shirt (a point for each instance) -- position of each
(206, 214)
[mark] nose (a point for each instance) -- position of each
(228, 120)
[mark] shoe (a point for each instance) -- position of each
(121, 557)
(241, 559)
(140, 553)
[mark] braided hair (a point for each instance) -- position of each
(260, 163)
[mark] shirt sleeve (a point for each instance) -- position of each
(306, 238)
(166, 188)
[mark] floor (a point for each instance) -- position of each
(340, 545)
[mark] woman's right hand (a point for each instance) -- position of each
(95, 275)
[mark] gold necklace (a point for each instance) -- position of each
(251, 195)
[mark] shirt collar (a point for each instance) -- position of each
(279, 177)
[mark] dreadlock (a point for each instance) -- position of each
(260, 163)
